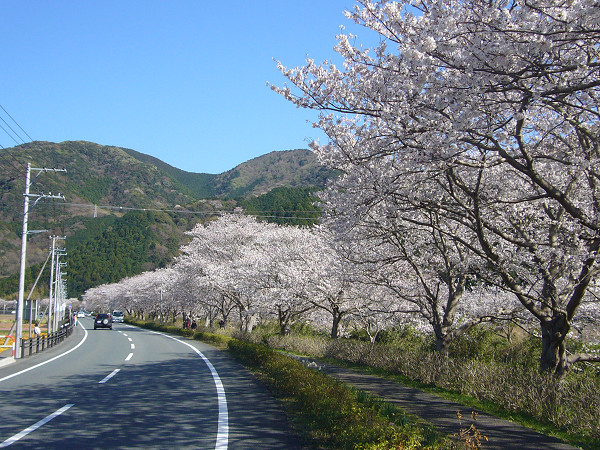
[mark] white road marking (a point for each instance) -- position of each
(35, 426)
(124, 334)
(50, 360)
(109, 376)
(223, 424)
(132, 346)
(129, 339)
(129, 357)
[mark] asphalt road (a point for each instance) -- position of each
(133, 388)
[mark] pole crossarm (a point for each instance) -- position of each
(45, 170)
(41, 196)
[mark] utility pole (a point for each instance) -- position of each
(19, 313)
(26, 208)
(59, 290)
(55, 252)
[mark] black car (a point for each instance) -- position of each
(103, 321)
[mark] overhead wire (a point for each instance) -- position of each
(17, 123)
(13, 134)
(10, 163)
(264, 214)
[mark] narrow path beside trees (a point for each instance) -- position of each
(500, 433)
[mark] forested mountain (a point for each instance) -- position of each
(285, 205)
(105, 242)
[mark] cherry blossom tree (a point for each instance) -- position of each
(217, 254)
(497, 103)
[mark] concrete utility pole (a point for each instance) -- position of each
(19, 313)
(55, 253)
(26, 208)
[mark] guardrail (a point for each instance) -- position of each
(41, 343)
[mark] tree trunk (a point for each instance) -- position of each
(442, 343)
(283, 321)
(337, 318)
(554, 355)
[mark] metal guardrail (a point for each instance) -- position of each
(41, 343)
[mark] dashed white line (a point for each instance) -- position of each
(35, 426)
(132, 346)
(109, 376)
(130, 339)
(129, 357)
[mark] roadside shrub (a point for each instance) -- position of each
(333, 412)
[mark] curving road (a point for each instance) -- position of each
(134, 388)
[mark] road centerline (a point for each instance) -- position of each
(109, 376)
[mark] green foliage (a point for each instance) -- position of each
(405, 338)
(484, 344)
(199, 335)
(285, 205)
(117, 248)
(9, 286)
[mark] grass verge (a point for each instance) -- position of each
(218, 340)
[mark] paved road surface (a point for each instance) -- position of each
(133, 388)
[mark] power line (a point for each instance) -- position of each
(263, 214)
(17, 170)
(17, 123)
(12, 136)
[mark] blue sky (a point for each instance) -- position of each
(184, 81)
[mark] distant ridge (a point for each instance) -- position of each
(100, 176)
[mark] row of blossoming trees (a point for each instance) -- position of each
(468, 147)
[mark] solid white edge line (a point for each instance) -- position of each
(50, 360)
(35, 426)
(109, 376)
(223, 423)
(129, 357)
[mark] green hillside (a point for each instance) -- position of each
(105, 186)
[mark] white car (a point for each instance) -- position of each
(80, 314)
